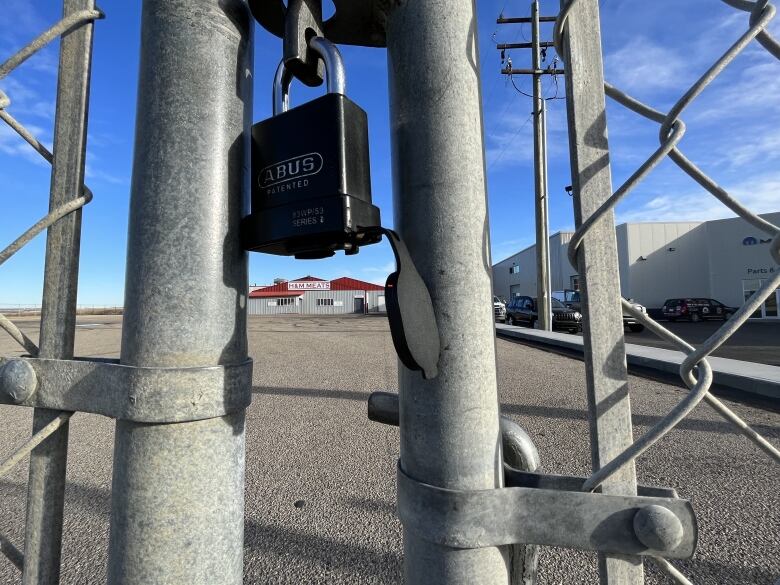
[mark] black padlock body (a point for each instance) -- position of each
(311, 183)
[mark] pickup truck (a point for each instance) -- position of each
(499, 309)
(571, 298)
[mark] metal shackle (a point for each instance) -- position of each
(334, 73)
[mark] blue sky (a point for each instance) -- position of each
(653, 50)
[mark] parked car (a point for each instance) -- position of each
(632, 322)
(522, 310)
(499, 309)
(571, 298)
(696, 309)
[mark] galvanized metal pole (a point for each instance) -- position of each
(540, 182)
(46, 485)
(177, 500)
(450, 434)
(605, 359)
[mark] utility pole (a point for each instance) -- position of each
(540, 154)
(540, 182)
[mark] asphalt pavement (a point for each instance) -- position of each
(756, 341)
(320, 477)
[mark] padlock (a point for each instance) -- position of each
(311, 183)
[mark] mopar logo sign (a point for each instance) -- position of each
(751, 241)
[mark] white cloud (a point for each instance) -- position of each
(14, 145)
(99, 175)
(642, 66)
(504, 249)
(731, 127)
(22, 21)
(742, 93)
(759, 194)
(505, 143)
(26, 100)
(764, 146)
(509, 133)
(22, 25)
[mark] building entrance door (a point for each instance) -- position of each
(360, 305)
(769, 309)
(770, 305)
(515, 290)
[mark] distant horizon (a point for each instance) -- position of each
(654, 51)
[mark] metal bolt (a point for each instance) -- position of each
(658, 528)
(18, 380)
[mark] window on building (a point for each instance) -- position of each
(514, 269)
(285, 301)
(324, 302)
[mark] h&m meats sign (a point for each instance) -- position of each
(309, 285)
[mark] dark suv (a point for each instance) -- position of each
(571, 298)
(522, 310)
(696, 309)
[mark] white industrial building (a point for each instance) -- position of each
(725, 259)
(314, 296)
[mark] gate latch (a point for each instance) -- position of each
(542, 509)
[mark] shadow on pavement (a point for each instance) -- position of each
(639, 420)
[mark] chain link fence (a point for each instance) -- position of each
(695, 370)
(72, 21)
(67, 24)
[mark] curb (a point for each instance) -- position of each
(760, 380)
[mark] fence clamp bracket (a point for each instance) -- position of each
(631, 525)
(355, 22)
(139, 394)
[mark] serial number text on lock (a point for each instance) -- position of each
(308, 216)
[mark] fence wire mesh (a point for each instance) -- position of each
(695, 370)
(67, 24)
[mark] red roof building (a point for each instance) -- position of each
(310, 295)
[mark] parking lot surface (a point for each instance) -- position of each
(756, 341)
(308, 441)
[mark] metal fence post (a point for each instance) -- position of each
(609, 406)
(177, 499)
(450, 433)
(46, 487)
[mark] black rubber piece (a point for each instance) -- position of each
(410, 313)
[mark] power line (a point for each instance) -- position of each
(511, 140)
(554, 80)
